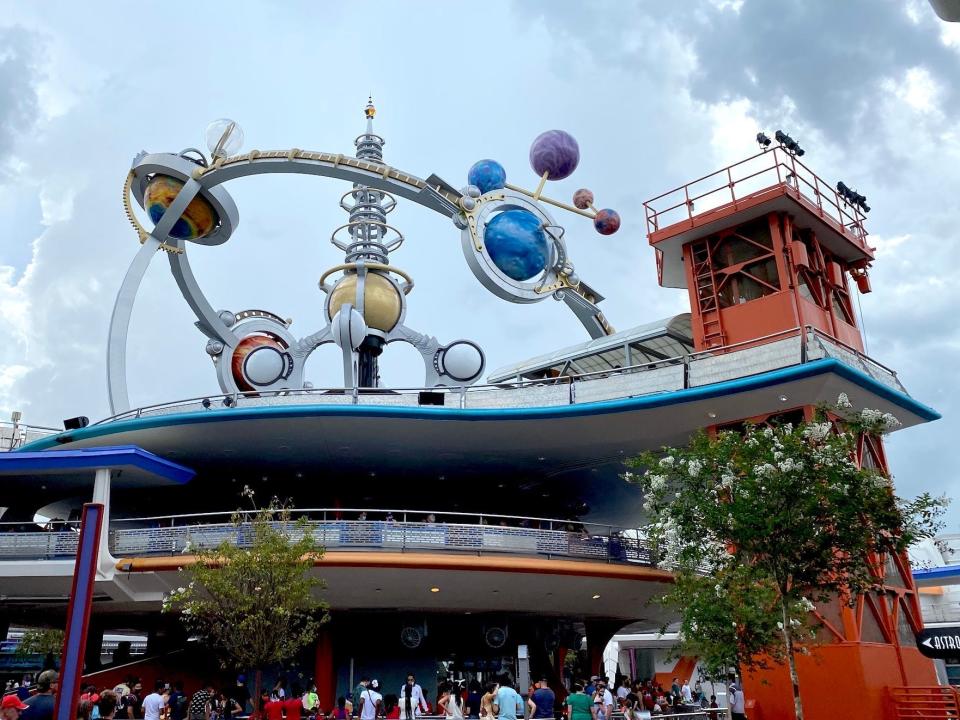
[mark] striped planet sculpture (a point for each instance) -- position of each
(197, 221)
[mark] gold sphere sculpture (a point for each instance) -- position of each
(382, 303)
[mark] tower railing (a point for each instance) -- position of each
(771, 172)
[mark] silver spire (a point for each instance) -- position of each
(368, 210)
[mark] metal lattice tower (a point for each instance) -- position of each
(371, 238)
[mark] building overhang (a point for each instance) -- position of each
(73, 467)
(937, 577)
(576, 450)
(370, 580)
(396, 581)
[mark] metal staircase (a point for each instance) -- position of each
(938, 702)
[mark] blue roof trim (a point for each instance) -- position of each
(727, 387)
(949, 572)
(117, 457)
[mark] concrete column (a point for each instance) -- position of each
(599, 633)
(101, 494)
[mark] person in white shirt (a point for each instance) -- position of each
(411, 699)
(154, 703)
(737, 702)
(623, 690)
(685, 694)
(371, 702)
(603, 701)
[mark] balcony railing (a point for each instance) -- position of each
(41, 545)
(784, 349)
(409, 536)
(457, 532)
(748, 180)
(14, 435)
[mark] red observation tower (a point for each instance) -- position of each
(765, 248)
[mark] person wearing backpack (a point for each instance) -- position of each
(178, 702)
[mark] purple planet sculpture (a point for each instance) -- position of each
(582, 199)
(607, 221)
(556, 153)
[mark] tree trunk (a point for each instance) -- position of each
(791, 662)
(257, 688)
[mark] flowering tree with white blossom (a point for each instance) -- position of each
(255, 604)
(760, 525)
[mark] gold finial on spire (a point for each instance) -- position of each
(370, 110)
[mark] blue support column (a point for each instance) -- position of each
(78, 611)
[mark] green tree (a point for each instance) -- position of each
(759, 526)
(40, 641)
(254, 602)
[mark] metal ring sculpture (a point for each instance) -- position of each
(254, 349)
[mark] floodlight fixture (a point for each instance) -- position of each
(788, 143)
(852, 197)
(763, 141)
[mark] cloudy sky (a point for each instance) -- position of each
(657, 93)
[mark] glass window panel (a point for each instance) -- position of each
(870, 630)
(766, 272)
(904, 629)
(617, 358)
(841, 307)
(831, 612)
(809, 288)
(735, 250)
(868, 456)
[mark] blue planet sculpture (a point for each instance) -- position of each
(517, 244)
(487, 175)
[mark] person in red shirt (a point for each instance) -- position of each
(391, 707)
(293, 705)
(273, 709)
(340, 711)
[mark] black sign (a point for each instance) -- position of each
(941, 642)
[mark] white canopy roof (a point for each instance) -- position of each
(659, 340)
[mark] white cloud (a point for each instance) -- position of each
(887, 246)
(917, 88)
(950, 34)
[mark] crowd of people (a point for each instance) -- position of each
(497, 700)
(588, 700)
(631, 699)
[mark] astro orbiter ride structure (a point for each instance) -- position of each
(511, 243)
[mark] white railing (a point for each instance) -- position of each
(15, 434)
(42, 545)
(456, 532)
(390, 535)
(780, 350)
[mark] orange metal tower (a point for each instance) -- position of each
(765, 248)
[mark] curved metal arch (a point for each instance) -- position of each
(437, 197)
(207, 181)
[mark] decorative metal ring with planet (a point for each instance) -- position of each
(511, 242)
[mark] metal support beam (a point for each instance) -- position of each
(78, 611)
